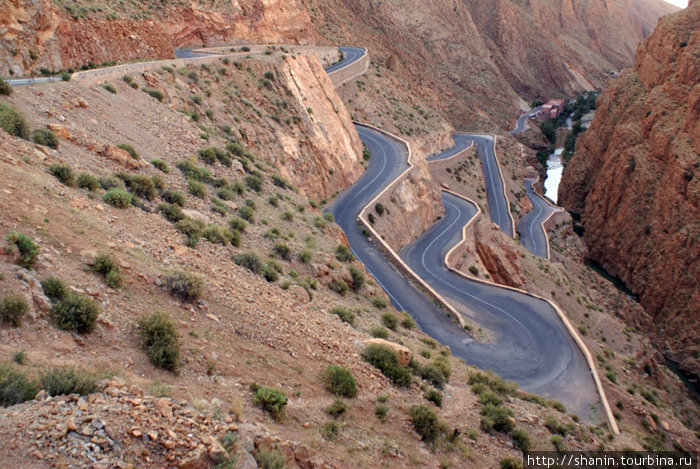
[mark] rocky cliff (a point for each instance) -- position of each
(635, 181)
(476, 58)
(57, 35)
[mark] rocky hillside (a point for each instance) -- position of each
(635, 181)
(58, 34)
(474, 59)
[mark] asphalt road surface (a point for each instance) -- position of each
(530, 345)
(521, 123)
(351, 55)
(532, 234)
(497, 202)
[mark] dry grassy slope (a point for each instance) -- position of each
(69, 34)
(600, 312)
(634, 180)
(244, 329)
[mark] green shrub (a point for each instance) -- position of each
(246, 213)
(217, 235)
(108, 183)
(63, 173)
(186, 286)
(160, 340)
(496, 419)
(192, 171)
(387, 361)
(558, 443)
(344, 314)
(271, 401)
(160, 165)
(5, 88)
(118, 198)
(407, 321)
(283, 251)
(238, 187)
(521, 439)
(339, 286)
(208, 155)
(15, 387)
(337, 408)
(75, 313)
(379, 302)
(13, 122)
(225, 194)
(339, 381)
(88, 181)
(426, 423)
(142, 186)
(268, 458)
(434, 375)
(237, 224)
(45, 137)
(196, 188)
(254, 182)
(390, 320)
(28, 250)
(68, 380)
(250, 261)
(305, 256)
(279, 181)
(270, 274)
(493, 382)
(191, 228)
(109, 269)
(380, 332)
(381, 411)
(434, 396)
(343, 254)
(357, 276)
(173, 213)
(54, 289)
(157, 94)
(511, 463)
(12, 309)
(109, 87)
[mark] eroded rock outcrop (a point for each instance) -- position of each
(42, 34)
(635, 180)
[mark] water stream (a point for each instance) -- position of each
(554, 172)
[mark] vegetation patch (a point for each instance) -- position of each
(76, 313)
(339, 381)
(160, 340)
(28, 250)
(12, 309)
(185, 285)
(68, 380)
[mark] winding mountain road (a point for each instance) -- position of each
(533, 235)
(521, 123)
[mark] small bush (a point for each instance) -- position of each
(157, 94)
(339, 286)
(344, 314)
(339, 381)
(254, 182)
(196, 188)
(426, 423)
(511, 463)
(160, 340)
(191, 228)
(246, 213)
(379, 302)
(68, 380)
(5, 88)
(558, 443)
(270, 274)
(250, 261)
(142, 186)
(173, 213)
(109, 87)
(407, 321)
(118, 198)
(160, 165)
(380, 332)
(192, 171)
(343, 254)
(54, 289)
(268, 458)
(521, 439)
(12, 309)
(45, 137)
(13, 122)
(28, 250)
(225, 194)
(381, 411)
(237, 224)
(496, 419)
(434, 396)
(387, 361)
(109, 269)
(174, 197)
(357, 276)
(15, 387)
(88, 181)
(305, 256)
(390, 320)
(283, 251)
(337, 408)
(186, 286)
(110, 183)
(271, 401)
(63, 173)
(75, 313)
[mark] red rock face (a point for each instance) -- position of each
(38, 34)
(635, 180)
